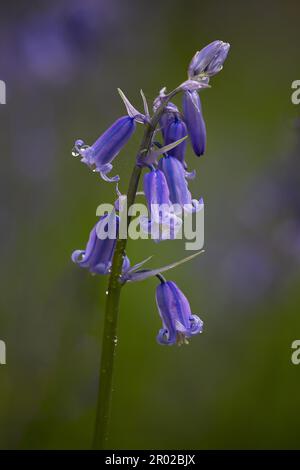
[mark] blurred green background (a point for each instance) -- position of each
(232, 387)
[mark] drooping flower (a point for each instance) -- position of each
(209, 61)
(175, 130)
(192, 111)
(163, 223)
(179, 323)
(167, 116)
(100, 155)
(98, 254)
(156, 188)
(178, 188)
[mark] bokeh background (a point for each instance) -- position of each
(235, 385)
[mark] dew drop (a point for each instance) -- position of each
(106, 292)
(75, 152)
(115, 340)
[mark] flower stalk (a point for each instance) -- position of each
(109, 341)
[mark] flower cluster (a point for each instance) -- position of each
(165, 184)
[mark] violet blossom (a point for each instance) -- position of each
(98, 254)
(193, 117)
(178, 188)
(100, 155)
(163, 223)
(209, 61)
(179, 323)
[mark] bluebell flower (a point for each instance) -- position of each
(175, 130)
(209, 61)
(156, 188)
(179, 323)
(100, 155)
(192, 111)
(167, 116)
(178, 188)
(98, 254)
(163, 223)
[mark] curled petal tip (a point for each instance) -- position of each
(104, 170)
(113, 179)
(190, 175)
(196, 325)
(162, 338)
(84, 151)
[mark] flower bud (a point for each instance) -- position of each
(209, 61)
(192, 111)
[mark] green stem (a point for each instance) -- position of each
(113, 299)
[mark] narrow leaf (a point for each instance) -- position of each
(131, 110)
(154, 154)
(145, 274)
(146, 108)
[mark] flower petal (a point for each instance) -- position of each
(192, 111)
